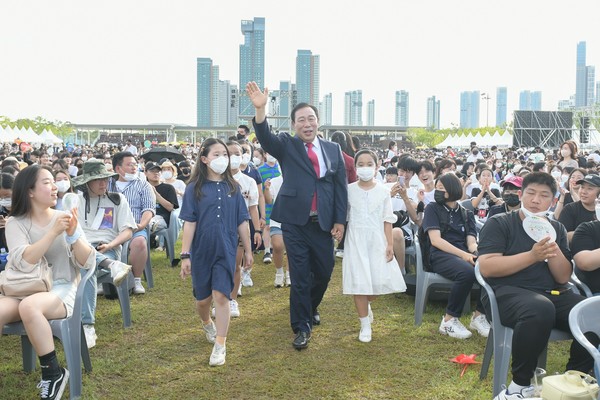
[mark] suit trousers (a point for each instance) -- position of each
(311, 260)
(532, 315)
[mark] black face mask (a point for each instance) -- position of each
(511, 199)
(185, 171)
(475, 152)
(439, 197)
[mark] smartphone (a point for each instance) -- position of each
(401, 180)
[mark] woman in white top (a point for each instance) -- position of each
(35, 230)
(169, 175)
(568, 154)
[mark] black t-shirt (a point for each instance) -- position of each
(168, 192)
(504, 234)
(574, 214)
(587, 237)
(498, 209)
(455, 235)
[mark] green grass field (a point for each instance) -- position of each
(164, 355)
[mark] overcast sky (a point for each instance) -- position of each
(134, 62)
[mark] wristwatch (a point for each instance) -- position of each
(185, 255)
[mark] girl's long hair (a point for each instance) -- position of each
(200, 172)
(24, 182)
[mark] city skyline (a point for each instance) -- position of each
(132, 65)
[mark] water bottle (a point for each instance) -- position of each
(3, 258)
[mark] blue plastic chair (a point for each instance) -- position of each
(148, 267)
(170, 234)
(584, 317)
(70, 332)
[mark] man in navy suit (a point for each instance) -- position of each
(311, 206)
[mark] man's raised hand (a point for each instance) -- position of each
(259, 99)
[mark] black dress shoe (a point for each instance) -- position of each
(316, 318)
(301, 340)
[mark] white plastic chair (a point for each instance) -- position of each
(70, 332)
(584, 317)
(499, 341)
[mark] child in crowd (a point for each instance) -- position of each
(213, 210)
(282, 277)
(250, 194)
(369, 266)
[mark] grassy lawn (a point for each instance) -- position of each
(164, 355)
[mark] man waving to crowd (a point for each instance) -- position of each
(311, 206)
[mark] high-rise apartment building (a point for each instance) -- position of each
(353, 108)
(401, 108)
(307, 77)
(581, 77)
(204, 84)
(233, 106)
(501, 96)
(371, 113)
(591, 82)
(433, 113)
(469, 109)
(325, 109)
(252, 60)
(598, 92)
(530, 101)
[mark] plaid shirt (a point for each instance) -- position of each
(140, 196)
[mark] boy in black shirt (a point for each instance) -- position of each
(522, 274)
(583, 210)
(586, 254)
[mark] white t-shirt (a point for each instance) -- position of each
(248, 187)
(274, 189)
(473, 158)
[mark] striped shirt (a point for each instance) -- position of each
(140, 196)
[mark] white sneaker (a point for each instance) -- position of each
(454, 328)
(365, 334)
(210, 331)
(138, 288)
(119, 271)
(339, 253)
(370, 315)
(247, 279)
(279, 277)
(100, 290)
(90, 335)
(527, 393)
(288, 281)
(480, 324)
(217, 357)
(234, 309)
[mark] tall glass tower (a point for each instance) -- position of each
(433, 113)
(581, 77)
(371, 113)
(469, 109)
(252, 60)
(501, 95)
(353, 108)
(204, 71)
(401, 114)
(307, 77)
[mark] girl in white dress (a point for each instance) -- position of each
(369, 268)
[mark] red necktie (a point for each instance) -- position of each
(312, 156)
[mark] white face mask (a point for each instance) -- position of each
(219, 164)
(256, 161)
(130, 177)
(84, 158)
(6, 203)
(556, 174)
(245, 159)
(532, 214)
(166, 175)
(365, 174)
(271, 159)
(565, 153)
(235, 161)
(63, 186)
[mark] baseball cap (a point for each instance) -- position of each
(151, 165)
(516, 181)
(592, 179)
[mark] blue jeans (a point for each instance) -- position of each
(88, 308)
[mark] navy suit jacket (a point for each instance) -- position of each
(300, 181)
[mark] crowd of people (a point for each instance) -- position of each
(293, 197)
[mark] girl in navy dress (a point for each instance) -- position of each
(215, 214)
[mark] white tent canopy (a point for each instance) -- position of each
(484, 141)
